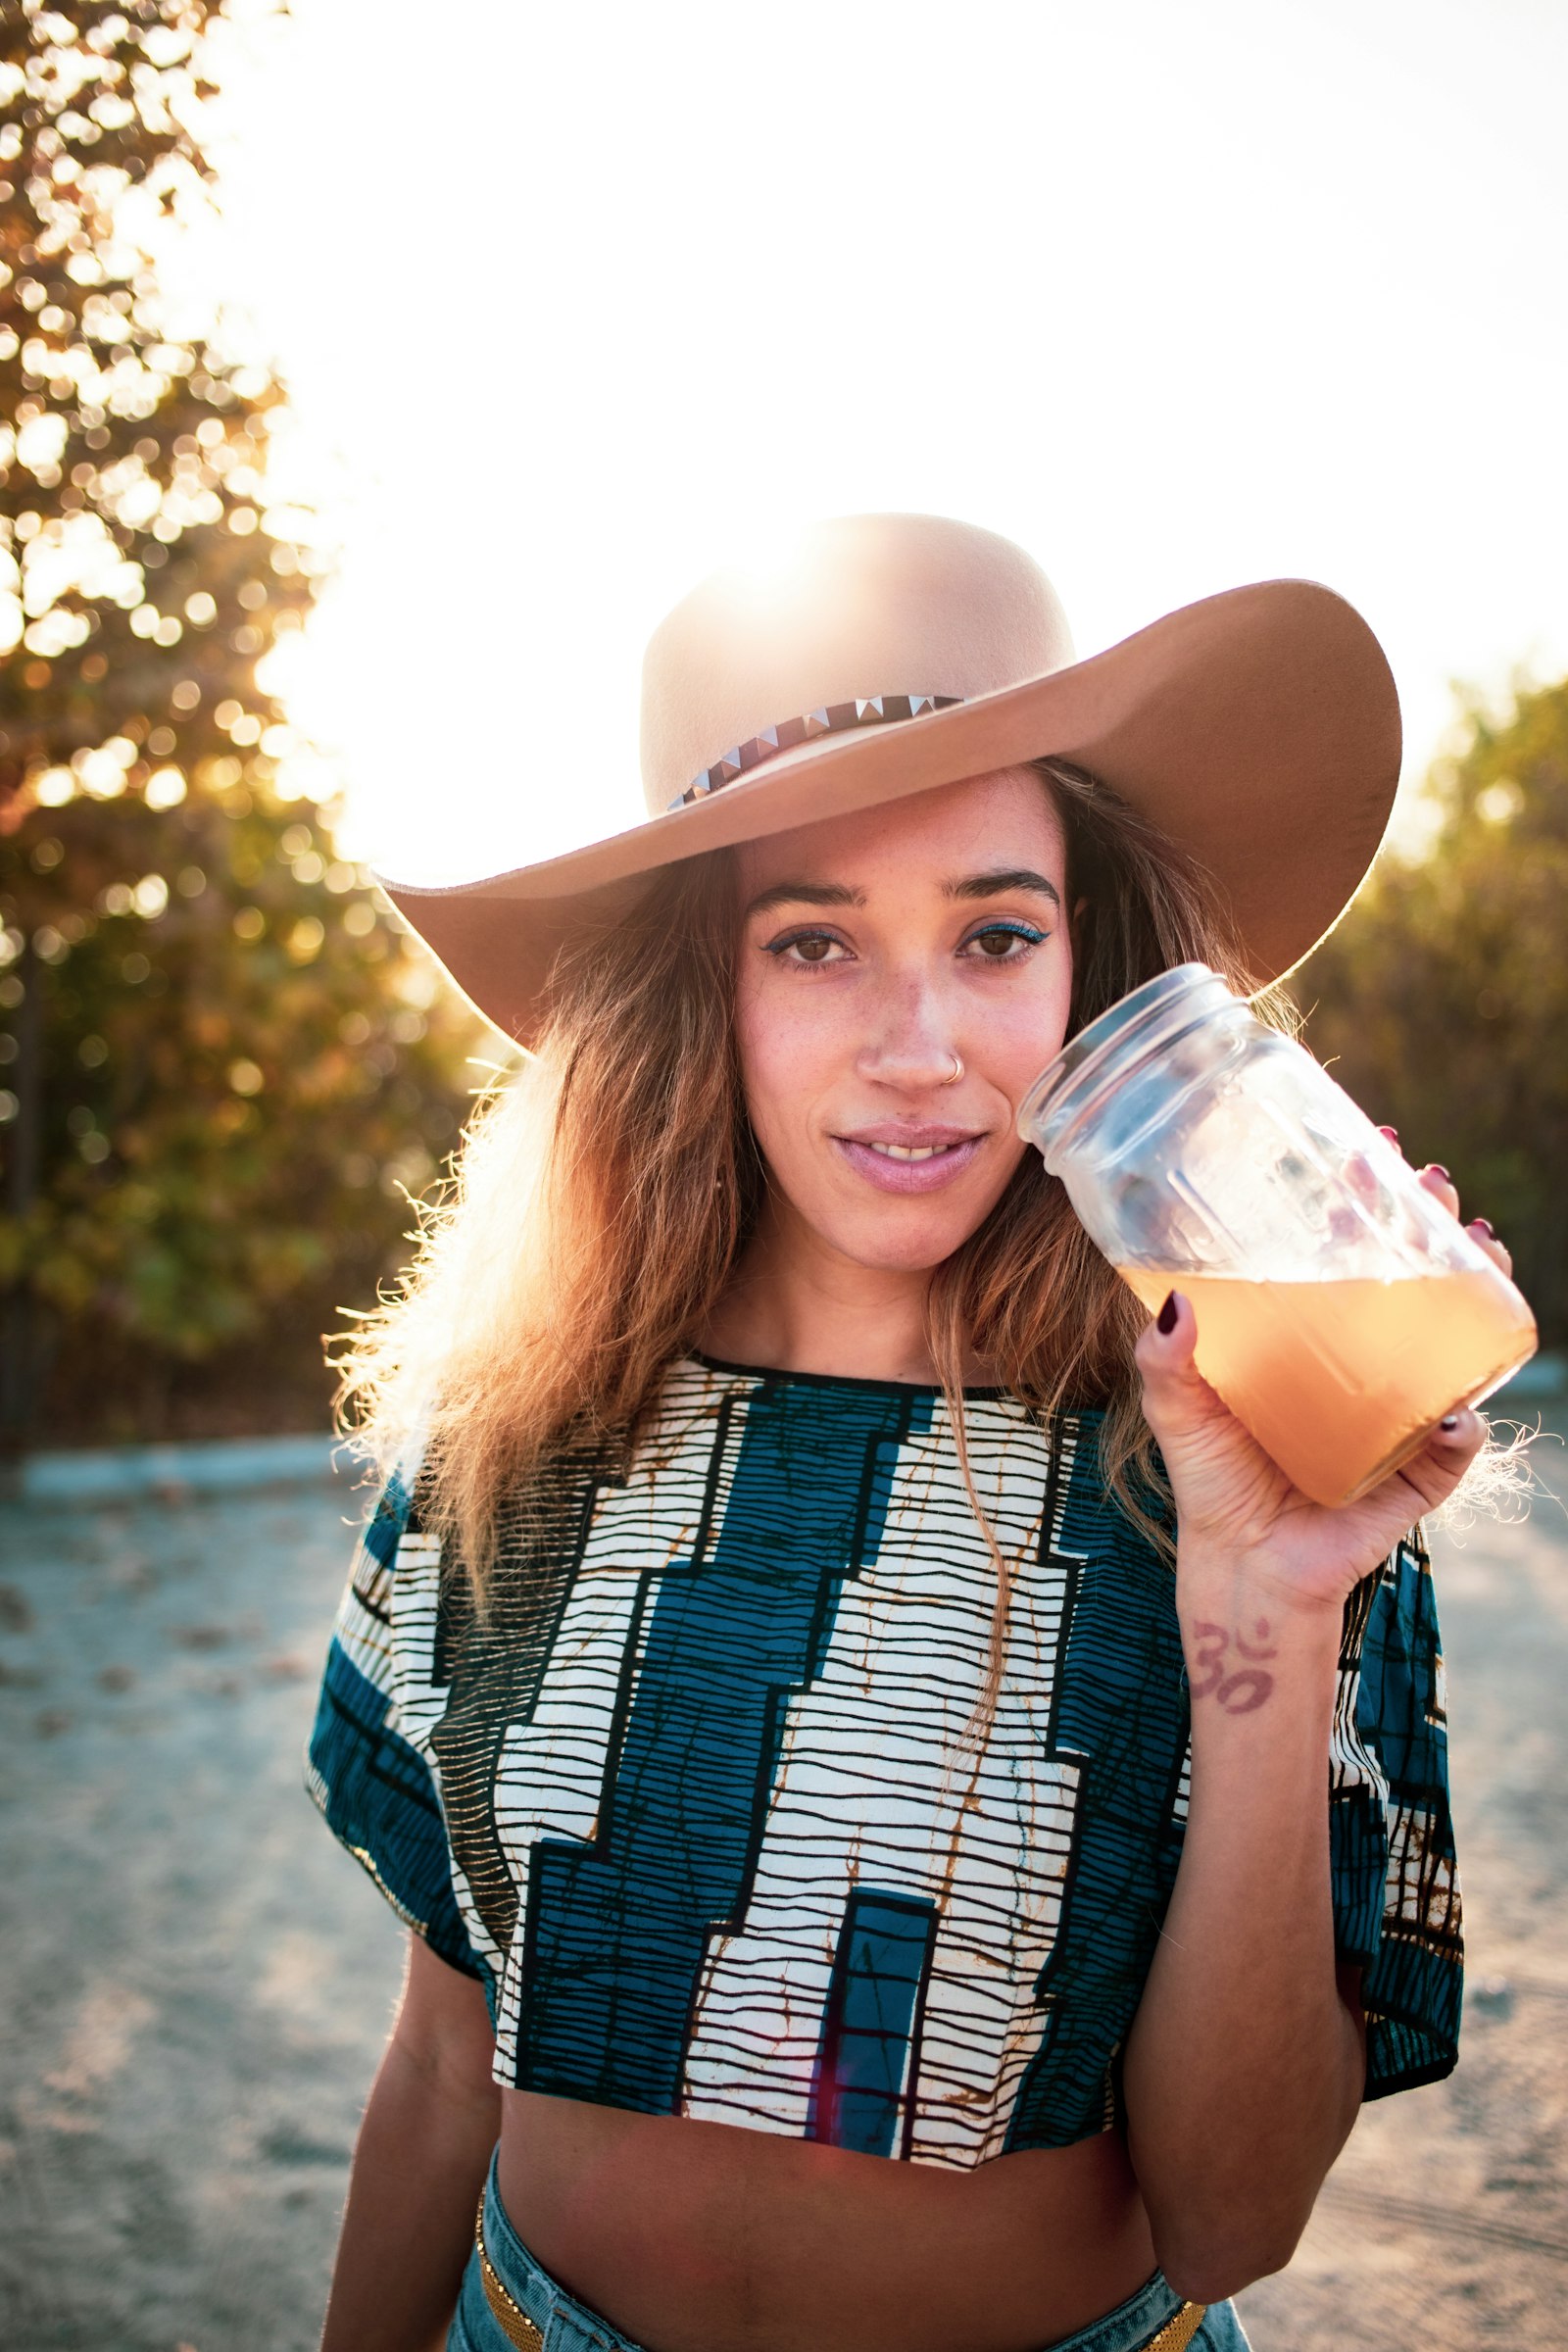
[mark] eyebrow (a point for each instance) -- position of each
(805, 893)
(1007, 878)
(840, 893)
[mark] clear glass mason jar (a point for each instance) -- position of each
(1340, 1311)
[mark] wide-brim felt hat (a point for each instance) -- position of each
(891, 653)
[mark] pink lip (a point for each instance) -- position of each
(910, 1175)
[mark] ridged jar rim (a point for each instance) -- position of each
(1140, 1020)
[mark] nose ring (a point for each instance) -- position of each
(958, 1072)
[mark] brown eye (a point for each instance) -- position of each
(813, 948)
(998, 942)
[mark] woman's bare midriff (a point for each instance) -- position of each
(703, 2237)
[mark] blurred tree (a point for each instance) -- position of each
(236, 1082)
(142, 578)
(1442, 996)
(218, 1065)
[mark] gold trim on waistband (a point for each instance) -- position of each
(510, 2316)
(1178, 2332)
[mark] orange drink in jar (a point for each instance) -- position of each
(1340, 1311)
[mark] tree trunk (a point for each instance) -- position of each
(19, 1332)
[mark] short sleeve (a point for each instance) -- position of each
(373, 1786)
(1396, 1908)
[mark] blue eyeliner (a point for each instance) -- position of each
(1016, 930)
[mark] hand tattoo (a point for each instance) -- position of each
(1241, 1689)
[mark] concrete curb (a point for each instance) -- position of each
(1535, 1382)
(218, 1466)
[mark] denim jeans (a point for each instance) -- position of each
(568, 2326)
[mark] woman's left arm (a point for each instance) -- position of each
(1245, 2066)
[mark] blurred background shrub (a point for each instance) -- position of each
(221, 1074)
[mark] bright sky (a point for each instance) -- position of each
(576, 304)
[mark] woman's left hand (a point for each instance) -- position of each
(1239, 1515)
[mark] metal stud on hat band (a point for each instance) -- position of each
(868, 711)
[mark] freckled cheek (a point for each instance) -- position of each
(1016, 1040)
(790, 1057)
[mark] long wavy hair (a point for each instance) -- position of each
(604, 1191)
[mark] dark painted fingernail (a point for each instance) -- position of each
(1448, 1424)
(1484, 1225)
(1165, 1320)
(1435, 1167)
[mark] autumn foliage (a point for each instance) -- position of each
(222, 1072)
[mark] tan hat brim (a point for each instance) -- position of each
(1260, 728)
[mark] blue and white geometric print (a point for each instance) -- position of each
(695, 1803)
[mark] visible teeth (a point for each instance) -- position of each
(910, 1150)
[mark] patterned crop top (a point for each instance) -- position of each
(694, 1809)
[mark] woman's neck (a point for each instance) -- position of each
(797, 1306)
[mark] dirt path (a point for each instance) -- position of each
(197, 1982)
(1445, 2223)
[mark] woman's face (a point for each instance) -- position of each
(873, 949)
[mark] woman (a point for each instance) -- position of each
(917, 1839)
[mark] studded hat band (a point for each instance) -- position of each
(870, 710)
